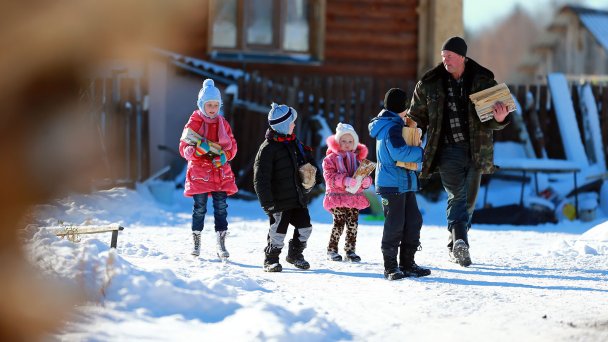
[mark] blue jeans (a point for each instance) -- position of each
(461, 181)
(219, 211)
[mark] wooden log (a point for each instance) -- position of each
(73, 231)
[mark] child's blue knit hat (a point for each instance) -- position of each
(280, 117)
(208, 93)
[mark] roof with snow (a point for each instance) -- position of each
(596, 21)
(198, 66)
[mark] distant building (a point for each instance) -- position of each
(575, 43)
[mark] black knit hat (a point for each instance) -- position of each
(456, 45)
(394, 100)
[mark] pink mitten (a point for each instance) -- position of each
(367, 181)
(350, 182)
(189, 152)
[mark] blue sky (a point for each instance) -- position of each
(479, 14)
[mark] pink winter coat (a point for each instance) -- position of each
(335, 170)
(201, 175)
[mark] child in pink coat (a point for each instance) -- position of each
(209, 173)
(344, 152)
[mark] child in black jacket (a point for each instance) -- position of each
(282, 188)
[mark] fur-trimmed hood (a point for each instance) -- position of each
(334, 147)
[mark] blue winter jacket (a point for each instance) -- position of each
(386, 128)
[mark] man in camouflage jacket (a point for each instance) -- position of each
(458, 145)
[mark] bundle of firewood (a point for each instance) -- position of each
(485, 99)
(365, 168)
(412, 137)
(190, 137)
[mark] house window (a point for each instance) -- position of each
(267, 28)
(225, 24)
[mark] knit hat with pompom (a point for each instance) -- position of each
(342, 129)
(280, 117)
(208, 93)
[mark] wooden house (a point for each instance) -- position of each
(333, 58)
(575, 43)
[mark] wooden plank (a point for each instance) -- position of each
(327, 97)
(350, 55)
(68, 230)
(338, 99)
(306, 94)
(74, 231)
(388, 12)
(542, 114)
(249, 88)
(317, 88)
(349, 99)
(371, 26)
(389, 38)
(359, 98)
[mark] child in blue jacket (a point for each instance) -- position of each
(397, 185)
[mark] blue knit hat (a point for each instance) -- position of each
(280, 117)
(208, 93)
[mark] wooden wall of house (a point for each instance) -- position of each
(361, 38)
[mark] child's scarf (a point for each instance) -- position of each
(223, 138)
(274, 135)
(347, 162)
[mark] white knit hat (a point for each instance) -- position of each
(208, 93)
(342, 129)
(280, 117)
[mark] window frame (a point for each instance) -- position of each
(274, 53)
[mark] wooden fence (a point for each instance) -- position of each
(356, 100)
(119, 125)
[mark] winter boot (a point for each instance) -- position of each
(352, 257)
(460, 249)
(460, 253)
(408, 265)
(222, 252)
(197, 243)
(391, 269)
(334, 256)
(294, 254)
(271, 261)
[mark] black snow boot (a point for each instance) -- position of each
(408, 265)
(294, 254)
(271, 261)
(460, 249)
(391, 268)
(352, 256)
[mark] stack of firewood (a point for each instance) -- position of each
(412, 137)
(485, 99)
(365, 168)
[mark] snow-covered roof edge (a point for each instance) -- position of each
(219, 72)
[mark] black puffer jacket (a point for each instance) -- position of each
(275, 175)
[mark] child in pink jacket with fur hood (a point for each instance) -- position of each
(344, 152)
(209, 173)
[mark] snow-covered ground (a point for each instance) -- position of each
(529, 283)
